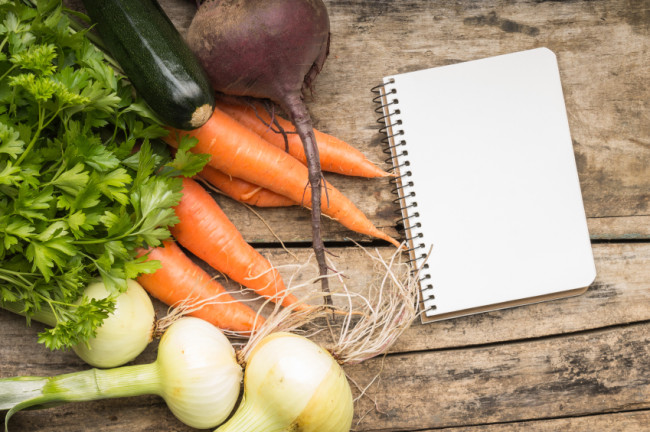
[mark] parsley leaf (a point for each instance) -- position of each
(83, 182)
(186, 163)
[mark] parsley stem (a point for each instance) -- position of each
(42, 124)
(42, 315)
(56, 175)
(36, 135)
(52, 302)
(55, 311)
(21, 283)
(8, 71)
(54, 116)
(107, 239)
(16, 273)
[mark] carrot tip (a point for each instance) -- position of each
(389, 239)
(396, 243)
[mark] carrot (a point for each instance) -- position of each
(243, 191)
(241, 153)
(335, 155)
(205, 230)
(180, 279)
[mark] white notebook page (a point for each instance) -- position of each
(495, 181)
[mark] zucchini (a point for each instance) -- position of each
(155, 58)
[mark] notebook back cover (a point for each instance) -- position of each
(488, 151)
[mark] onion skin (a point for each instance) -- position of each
(197, 367)
(291, 384)
(125, 333)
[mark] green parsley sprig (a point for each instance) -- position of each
(83, 183)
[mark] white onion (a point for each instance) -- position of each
(125, 333)
(292, 384)
(196, 372)
(200, 378)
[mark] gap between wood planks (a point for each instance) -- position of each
(381, 243)
(620, 240)
(328, 244)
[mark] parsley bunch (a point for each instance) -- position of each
(76, 200)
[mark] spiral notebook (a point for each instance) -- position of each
(487, 183)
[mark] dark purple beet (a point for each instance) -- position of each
(269, 49)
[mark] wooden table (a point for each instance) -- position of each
(581, 363)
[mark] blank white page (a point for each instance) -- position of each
(498, 198)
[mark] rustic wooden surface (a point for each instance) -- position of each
(576, 364)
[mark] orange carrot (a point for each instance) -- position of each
(241, 153)
(205, 230)
(335, 155)
(243, 191)
(180, 279)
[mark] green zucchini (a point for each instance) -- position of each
(153, 55)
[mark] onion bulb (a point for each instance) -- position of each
(199, 376)
(125, 333)
(196, 373)
(292, 384)
(122, 336)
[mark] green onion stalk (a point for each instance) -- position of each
(196, 373)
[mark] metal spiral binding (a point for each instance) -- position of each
(390, 121)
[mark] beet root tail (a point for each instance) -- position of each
(297, 110)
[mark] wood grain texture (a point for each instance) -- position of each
(619, 422)
(620, 295)
(595, 372)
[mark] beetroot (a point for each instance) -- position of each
(269, 49)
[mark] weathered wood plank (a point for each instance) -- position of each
(624, 297)
(619, 422)
(603, 51)
(612, 228)
(596, 372)
(580, 375)
(620, 295)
